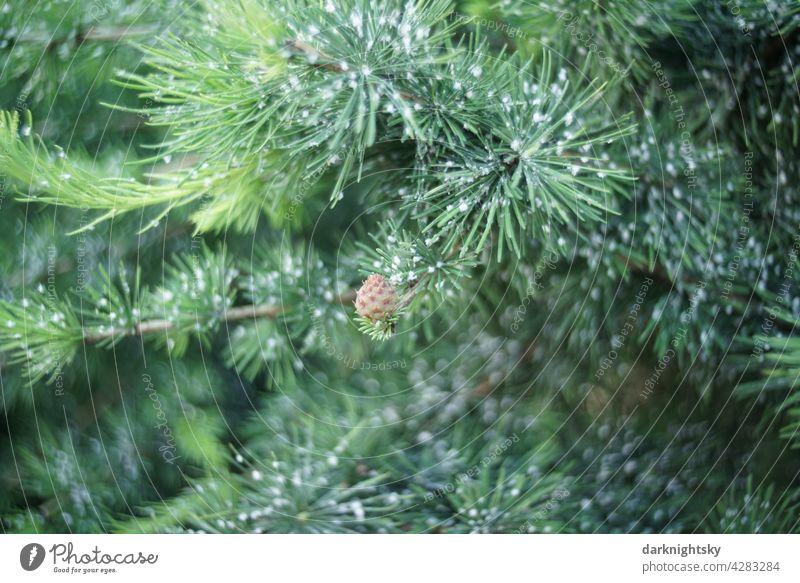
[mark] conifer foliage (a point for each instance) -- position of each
(399, 266)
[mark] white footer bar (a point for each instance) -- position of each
(389, 558)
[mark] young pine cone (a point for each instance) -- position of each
(376, 299)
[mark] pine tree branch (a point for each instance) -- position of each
(248, 312)
(94, 33)
(147, 327)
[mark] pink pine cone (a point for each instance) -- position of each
(376, 299)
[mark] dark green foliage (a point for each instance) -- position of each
(589, 211)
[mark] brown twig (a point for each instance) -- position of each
(249, 312)
(94, 33)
